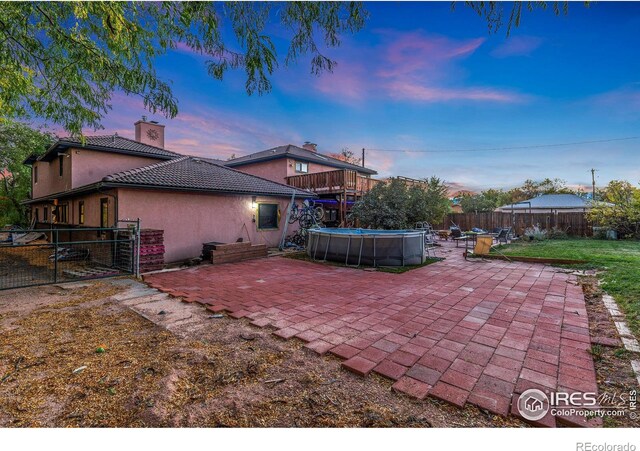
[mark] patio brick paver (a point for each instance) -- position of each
(462, 332)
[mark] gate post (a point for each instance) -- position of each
(55, 256)
(137, 247)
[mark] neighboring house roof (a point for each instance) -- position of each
(551, 202)
(299, 153)
(110, 143)
(189, 174)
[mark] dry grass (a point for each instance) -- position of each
(228, 374)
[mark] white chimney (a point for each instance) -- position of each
(310, 146)
(150, 132)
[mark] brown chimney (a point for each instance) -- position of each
(150, 132)
(310, 146)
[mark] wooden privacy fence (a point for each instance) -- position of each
(575, 224)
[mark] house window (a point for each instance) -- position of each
(35, 174)
(81, 212)
(60, 165)
(268, 216)
(302, 167)
(62, 214)
(104, 212)
(45, 214)
(36, 215)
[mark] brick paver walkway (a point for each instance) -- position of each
(462, 332)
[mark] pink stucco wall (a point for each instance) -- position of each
(49, 180)
(82, 167)
(91, 209)
(90, 166)
(278, 170)
(274, 170)
(190, 219)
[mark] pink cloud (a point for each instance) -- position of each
(626, 98)
(417, 92)
(348, 81)
(517, 46)
(411, 52)
(404, 66)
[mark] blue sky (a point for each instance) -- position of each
(423, 77)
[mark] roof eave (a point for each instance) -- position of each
(203, 190)
(48, 155)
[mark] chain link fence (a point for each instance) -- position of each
(45, 256)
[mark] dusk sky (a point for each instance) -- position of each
(423, 77)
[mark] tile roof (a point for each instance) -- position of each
(200, 174)
(296, 152)
(112, 143)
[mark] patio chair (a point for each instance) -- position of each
(483, 245)
(430, 245)
(458, 236)
(503, 236)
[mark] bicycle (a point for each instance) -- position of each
(308, 215)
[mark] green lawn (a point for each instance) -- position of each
(619, 259)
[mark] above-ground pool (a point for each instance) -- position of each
(367, 247)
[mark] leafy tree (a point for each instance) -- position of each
(436, 201)
(532, 188)
(395, 206)
(62, 61)
(487, 200)
(476, 203)
(17, 142)
(620, 209)
(495, 12)
(347, 155)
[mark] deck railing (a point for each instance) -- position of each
(333, 181)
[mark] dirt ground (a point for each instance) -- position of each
(612, 361)
(223, 373)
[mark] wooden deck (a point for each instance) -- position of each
(328, 182)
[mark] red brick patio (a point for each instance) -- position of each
(462, 332)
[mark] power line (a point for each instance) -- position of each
(491, 149)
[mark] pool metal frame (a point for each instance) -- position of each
(362, 236)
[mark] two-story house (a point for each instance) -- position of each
(101, 180)
(337, 183)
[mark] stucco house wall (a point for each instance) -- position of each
(90, 166)
(49, 179)
(82, 167)
(91, 209)
(274, 170)
(278, 170)
(190, 219)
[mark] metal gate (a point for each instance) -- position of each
(45, 256)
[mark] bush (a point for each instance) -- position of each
(535, 233)
(556, 233)
(394, 206)
(620, 210)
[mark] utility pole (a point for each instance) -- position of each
(363, 157)
(593, 184)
